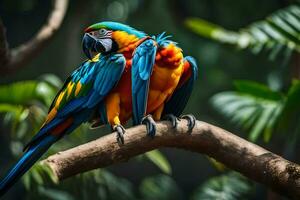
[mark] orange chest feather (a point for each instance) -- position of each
(165, 77)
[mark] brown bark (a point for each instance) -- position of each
(238, 154)
(13, 59)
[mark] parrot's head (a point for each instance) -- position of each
(107, 37)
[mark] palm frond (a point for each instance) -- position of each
(253, 106)
(158, 158)
(278, 33)
(231, 186)
(289, 119)
(159, 187)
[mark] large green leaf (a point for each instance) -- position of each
(159, 187)
(24, 92)
(5, 107)
(113, 186)
(52, 80)
(159, 160)
(291, 111)
(231, 186)
(280, 32)
(54, 194)
(257, 89)
(27, 101)
(19, 92)
(253, 106)
(39, 174)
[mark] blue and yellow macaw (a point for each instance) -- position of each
(127, 74)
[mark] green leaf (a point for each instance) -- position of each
(46, 172)
(118, 188)
(37, 177)
(45, 92)
(159, 187)
(18, 93)
(231, 186)
(262, 121)
(25, 104)
(159, 160)
(211, 30)
(257, 90)
(291, 109)
(55, 194)
(4, 107)
(278, 33)
(253, 106)
(51, 80)
(217, 165)
(22, 93)
(26, 181)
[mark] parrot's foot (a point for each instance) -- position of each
(172, 118)
(150, 125)
(191, 121)
(120, 133)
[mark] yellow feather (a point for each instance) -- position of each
(96, 58)
(78, 88)
(60, 97)
(50, 116)
(124, 39)
(69, 89)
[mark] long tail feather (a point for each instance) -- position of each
(26, 161)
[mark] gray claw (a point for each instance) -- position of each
(120, 133)
(173, 119)
(150, 125)
(191, 121)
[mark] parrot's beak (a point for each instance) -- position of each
(91, 46)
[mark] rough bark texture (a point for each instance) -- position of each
(13, 59)
(238, 154)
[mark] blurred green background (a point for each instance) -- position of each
(248, 58)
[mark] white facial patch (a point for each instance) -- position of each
(107, 43)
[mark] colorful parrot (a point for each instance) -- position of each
(127, 74)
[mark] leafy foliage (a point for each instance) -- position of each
(279, 32)
(231, 186)
(256, 107)
(25, 105)
(159, 187)
(290, 113)
(253, 106)
(107, 185)
(157, 158)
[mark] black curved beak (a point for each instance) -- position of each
(91, 46)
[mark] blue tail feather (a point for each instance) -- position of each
(26, 161)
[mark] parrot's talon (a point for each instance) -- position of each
(173, 119)
(120, 133)
(150, 125)
(191, 121)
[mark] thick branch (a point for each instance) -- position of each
(11, 60)
(238, 154)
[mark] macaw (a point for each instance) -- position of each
(127, 74)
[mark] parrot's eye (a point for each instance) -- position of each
(102, 31)
(99, 33)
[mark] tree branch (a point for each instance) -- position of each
(240, 155)
(13, 59)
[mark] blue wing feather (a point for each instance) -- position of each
(181, 95)
(142, 66)
(26, 161)
(109, 75)
(113, 65)
(79, 108)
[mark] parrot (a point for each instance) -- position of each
(127, 74)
